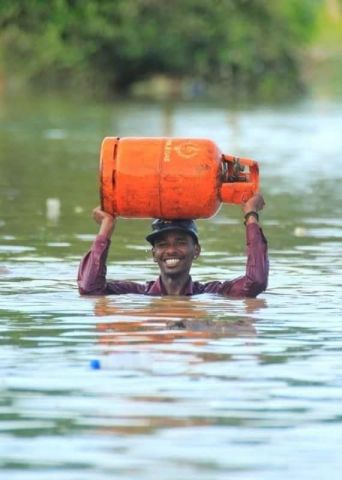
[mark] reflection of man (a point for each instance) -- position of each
(166, 319)
(174, 247)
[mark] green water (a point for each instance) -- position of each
(199, 388)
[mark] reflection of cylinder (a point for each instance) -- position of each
(171, 177)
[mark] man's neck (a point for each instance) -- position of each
(175, 285)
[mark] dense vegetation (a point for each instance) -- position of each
(246, 45)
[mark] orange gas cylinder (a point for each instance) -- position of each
(171, 177)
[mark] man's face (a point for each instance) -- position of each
(174, 252)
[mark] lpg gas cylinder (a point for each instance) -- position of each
(171, 177)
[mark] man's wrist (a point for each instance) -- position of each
(251, 217)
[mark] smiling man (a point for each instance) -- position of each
(175, 245)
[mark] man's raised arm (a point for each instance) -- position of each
(92, 271)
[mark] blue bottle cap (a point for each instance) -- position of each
(95, 364)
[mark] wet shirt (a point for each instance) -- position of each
(92, 273)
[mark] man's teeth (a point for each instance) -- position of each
(170, 262)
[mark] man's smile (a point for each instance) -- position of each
(174, 252)
(172, 262)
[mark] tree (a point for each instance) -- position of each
(244, 43)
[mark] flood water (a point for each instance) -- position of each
(203, 388)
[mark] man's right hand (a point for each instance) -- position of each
(105, 220)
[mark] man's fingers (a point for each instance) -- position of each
(256, 202)
(98, 215)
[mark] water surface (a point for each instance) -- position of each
(191, 388)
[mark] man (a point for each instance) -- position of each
(175, 245)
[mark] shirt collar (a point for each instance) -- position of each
(157, 288)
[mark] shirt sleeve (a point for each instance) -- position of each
(92, 271)
(91, 277)
(256, 277)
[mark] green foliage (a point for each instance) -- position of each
(249, 45)
(329, 25)
(324, 66)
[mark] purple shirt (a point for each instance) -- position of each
(92, 273)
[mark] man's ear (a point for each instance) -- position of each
(197, 250)
(153, 254)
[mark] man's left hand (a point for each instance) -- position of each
(254, 204)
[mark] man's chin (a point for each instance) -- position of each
(173, 272)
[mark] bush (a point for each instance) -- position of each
(249, 45)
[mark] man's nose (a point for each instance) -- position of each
(171, 247)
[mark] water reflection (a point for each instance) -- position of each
(134, 339)
(166, 319)
(172, 338)
(195, 388)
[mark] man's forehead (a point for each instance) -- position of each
(175, 233)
